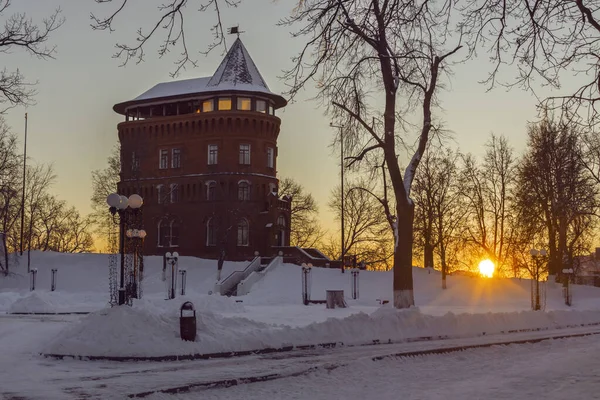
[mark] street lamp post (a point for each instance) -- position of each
(342, 187)
(172, 259)
(568, 272)
(539, 257)
(123, 207)
(138, 235)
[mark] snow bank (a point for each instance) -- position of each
(34, 302)
(147, 332)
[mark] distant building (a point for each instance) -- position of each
(203, 154)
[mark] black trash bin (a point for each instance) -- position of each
(187, 321)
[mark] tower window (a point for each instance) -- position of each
(174, 234)
(224, 104)
(213, 152)
(245, 154)
(261, 106)
(243, 191)
(163, 159)
(176, 158)
(243, 233)
(244, 104)
(211, 190)
(270, 157)
(207, 105)
(174, 193)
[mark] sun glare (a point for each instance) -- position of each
(486, 268)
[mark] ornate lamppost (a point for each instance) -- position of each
(172, 260)
(127, 211)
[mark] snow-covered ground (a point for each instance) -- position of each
(270, 316)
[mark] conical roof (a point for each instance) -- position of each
(236, 73)
(237, 69)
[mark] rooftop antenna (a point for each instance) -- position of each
(235, 30)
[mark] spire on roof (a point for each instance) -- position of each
(237, 68)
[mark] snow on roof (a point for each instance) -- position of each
(166, 89)
(238, 69)
(237, 72)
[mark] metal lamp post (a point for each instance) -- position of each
(172, 259)
(341, 128)
(539, 257)
(568, 272)
(123, 207)
(306, 283)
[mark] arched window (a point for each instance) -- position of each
(174, 233)
(273, 188)
(243, 190)
(211, 190)
(243, 233)
(211, 236)
(281, 221)
(162, 234)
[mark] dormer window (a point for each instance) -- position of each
(207, 106)
(261, 106)
(244, 104)
(224, 104)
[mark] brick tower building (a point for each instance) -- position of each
(203, 155)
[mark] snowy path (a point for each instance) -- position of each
(24, 374)
(549, 370)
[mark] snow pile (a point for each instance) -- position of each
(144, 331)
(34, 302)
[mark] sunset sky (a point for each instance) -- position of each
(72, 124)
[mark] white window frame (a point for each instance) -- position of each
(174, 192)
(270, 157)
(248, 190)
(176, 150)
(240, 234)
(214, 161)
(261, 104)
(208, 186)
(244, 158)
(162, 165)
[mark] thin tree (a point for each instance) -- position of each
(487, 189)
(306, 230)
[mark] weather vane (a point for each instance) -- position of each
(235, 30)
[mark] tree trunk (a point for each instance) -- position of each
(428, 254)
(403, 282)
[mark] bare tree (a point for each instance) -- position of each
(364, 55)
(170, 23)
(367, 234)
(306, 230)
(104, 182)
(439, 210)
(38, 180)
(556, 191)
(487, 188)
(10, 184)
(21, 33)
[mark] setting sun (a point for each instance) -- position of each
(486, 268)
